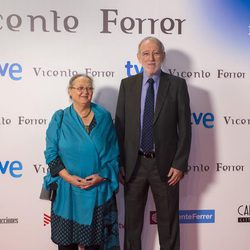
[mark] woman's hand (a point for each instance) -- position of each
(91, 181)
(72, 179)
(82, 183)
(76, 181)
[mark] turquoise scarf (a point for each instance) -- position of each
(82, 154)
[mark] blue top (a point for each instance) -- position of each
(82, 154)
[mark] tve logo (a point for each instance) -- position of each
(197, 216)
(13, 167)
(13, 71)
(133, 69)
(204, 119)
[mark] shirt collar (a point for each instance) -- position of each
(155, 77)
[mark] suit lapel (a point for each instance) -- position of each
(161, 94)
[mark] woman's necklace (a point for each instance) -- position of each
(85, 116)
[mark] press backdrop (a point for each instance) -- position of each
(43, 43)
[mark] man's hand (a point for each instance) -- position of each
(175, 176)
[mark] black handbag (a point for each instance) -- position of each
(50, 194)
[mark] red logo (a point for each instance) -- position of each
(46, 219)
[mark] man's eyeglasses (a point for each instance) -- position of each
(82, 89)
(147, 54)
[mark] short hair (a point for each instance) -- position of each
(154, 39)
(74, 77)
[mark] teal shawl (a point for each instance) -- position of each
(82, 154)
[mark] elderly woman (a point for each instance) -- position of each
(82, 154)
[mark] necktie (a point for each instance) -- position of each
(147, 142)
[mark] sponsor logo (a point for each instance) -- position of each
(137, 25)
(204, 119)
(8, 220)
(220, 167)
(46, 219)
(189, 216)
(5, 121)
(200, 168)
(13, 167)
(190, 74)
(244, 213)
(11, 70)
(39, 168)
(39, 71)
(99, 73)
(233, 121)
(42, 72)
(202, 74)
(23, 121)
(132, 69)
(230, 75)
(196, 216)
(49, 23)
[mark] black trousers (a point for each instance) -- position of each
(75, 247)
(166, 200)
(69, 247)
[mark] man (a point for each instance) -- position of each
(154, 132)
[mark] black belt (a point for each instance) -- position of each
(149, 155)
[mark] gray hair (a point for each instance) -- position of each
(154, 39)
(74, 77)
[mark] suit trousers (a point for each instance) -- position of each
(166, 200)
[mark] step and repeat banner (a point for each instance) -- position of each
(44, 43)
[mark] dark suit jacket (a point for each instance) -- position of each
(172, 123)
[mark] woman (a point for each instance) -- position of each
(82, 154)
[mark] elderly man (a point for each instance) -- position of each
(154, 132)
